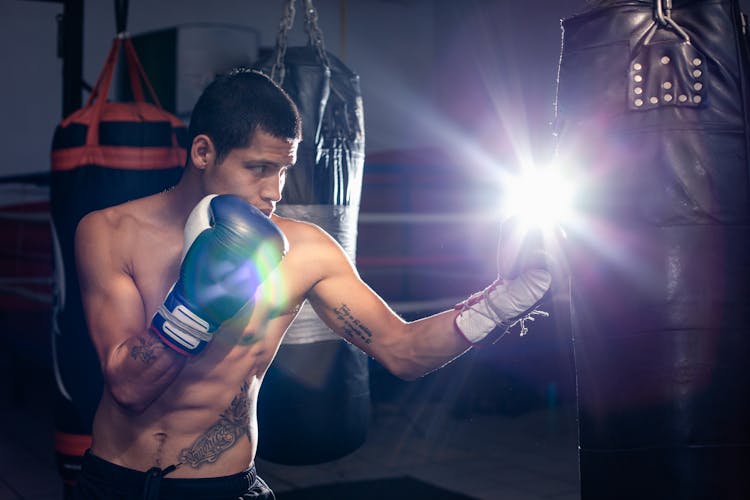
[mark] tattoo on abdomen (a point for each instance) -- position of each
(352, 326)
(145, 349)
(233, 423)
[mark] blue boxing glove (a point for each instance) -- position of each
(230, 248)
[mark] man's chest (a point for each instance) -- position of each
(154, 267)
(157, 264)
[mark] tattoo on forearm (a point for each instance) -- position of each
(353, 328)
(144, 350)
(233, 423)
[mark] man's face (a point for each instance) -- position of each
(256, 173)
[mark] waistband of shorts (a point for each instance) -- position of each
(133, 480)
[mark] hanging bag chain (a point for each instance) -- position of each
(287, 20)
(314, 35)
(663, 19)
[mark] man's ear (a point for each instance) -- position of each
(202, 151)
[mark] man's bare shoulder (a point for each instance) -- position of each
(312, 251)
(128, 217)
(119, 234)
(300, 231)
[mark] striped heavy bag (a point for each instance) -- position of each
(103, 154)
(653, 102)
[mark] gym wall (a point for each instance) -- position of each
(419, 61)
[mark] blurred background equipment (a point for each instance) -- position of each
(315, 402)
(104, 154)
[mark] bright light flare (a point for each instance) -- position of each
(541, 197)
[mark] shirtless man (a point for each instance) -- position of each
(182, 363)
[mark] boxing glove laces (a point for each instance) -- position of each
(230, 248)
(522, 282)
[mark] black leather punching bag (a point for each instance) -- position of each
(652, 118)
(314, 405)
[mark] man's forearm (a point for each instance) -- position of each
(140, 370)
(429, 344)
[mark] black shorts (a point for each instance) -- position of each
(100, 479)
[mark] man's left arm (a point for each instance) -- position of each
(411, 349)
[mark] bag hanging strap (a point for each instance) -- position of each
(136, 74)
(121, 15)
(135, 70)
(133, 64)
(99, 93)
(314, 36)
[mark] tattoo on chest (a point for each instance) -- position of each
(145, 349)
(233, 423)
(353, 328)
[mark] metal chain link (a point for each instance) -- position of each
(663, 14)
(314, 33)
(287, 20)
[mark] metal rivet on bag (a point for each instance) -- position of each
(697, 62)
(638, 90)
(638, 102)
(697, 73)
(637, 66)
(653, 100)
(668, 97)
(667, 85)
(682, 98)
(664, 60)
(698, 86)
(638, 78)
(697, 99)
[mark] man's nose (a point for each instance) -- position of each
(272, 188)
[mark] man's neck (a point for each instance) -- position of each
(184, 196)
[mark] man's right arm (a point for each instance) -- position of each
(137, 367)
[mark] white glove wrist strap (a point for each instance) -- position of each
(477, 319)
(502, 305)
(184, 320)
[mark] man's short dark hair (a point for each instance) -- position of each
(237, 104)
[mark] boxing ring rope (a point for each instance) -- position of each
(17, 286)
(27, 287)
(429, 218)
(439, 264)
(27, 275)
(22, 196)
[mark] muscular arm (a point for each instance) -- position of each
(137, 367)
(358, 314)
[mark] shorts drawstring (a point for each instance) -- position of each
(153, 481)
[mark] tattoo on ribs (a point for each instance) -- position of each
(233, 423)
(144, 350)
(352, 326)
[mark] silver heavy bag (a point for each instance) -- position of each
(652, 118)
(315, 402)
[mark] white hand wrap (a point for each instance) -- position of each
(502, 305)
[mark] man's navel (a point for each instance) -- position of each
(161, 438)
